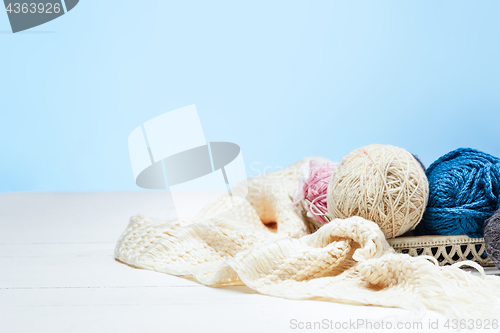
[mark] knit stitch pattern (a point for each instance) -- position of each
(347, 260)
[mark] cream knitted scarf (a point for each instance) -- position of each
(264, 244)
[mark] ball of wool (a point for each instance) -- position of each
(381, 183)
(464, 191)
(492, 238)
(316, 185)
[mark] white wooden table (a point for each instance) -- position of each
(58, 274)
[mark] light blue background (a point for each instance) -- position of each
(283, 79)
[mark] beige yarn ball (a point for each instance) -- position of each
(381, 183)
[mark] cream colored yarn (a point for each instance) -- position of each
(382, 183)
(345, 261)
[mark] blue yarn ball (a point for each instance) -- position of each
(464, 190)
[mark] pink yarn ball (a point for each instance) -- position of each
(316, 186)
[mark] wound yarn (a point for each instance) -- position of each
(492, 238)
(316, 186)
(464, 191)
(381, 183)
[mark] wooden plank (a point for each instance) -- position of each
(83, 265)
(163, 309)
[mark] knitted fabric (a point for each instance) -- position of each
(346, 260)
